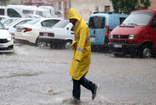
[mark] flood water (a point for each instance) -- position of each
(40, 76)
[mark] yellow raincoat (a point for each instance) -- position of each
(81, 46)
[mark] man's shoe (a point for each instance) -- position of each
(76, 101)
(94, 92)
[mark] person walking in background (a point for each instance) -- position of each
(82, 56)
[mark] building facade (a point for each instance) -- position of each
(87, 7)
(153, 4)
(4, 2)
(84, 7)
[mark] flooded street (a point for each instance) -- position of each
(40, 76)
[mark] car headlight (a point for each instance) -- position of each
(111, 35)
(131, 36)
(9, 39)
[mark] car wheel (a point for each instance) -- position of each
(37, 42)
(146, 51)
(52, 45)
(68, 44)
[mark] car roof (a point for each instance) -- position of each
(107, 14)
(146, 10)
(51, 18)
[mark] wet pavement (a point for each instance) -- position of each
(40, 76)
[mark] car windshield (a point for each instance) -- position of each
(61, 24)
(1, 26)
(18, 22)
(139, 18)
(14, 22)
(34, 21)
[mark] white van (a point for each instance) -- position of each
(50, 9)
(10, 12)
(53, 12)
(32, 10)
(22, 11)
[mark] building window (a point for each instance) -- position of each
(107, 8)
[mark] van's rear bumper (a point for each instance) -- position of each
(124, 48)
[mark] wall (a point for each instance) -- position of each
(87, 7)
(153, 4)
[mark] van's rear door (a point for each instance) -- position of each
(97, 30)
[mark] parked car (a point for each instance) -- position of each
(136, 36)
(101, 24)
(6, 40)
(12, 26)
(61, 34)
(30, 31)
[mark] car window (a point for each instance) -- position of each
(34, 21)
(9, 21)
(13, 13)
(49, 23)
(1, 11)
(22, 22)
(97, 22)
(61, 24)
(153, 23)
(14, 22)
(27, 12)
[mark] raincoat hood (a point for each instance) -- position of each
(73, 14)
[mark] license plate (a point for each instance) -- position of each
(117, 45)
(45, 34)
(92, 38)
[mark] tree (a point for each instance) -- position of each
(127, 6)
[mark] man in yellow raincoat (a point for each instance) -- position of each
(82, 55)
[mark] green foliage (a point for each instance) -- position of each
(127, 6)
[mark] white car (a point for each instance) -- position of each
(61, 34)
(12, 26)
(6, 40)
(30, 31)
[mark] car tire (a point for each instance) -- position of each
(68, 44)
(146, 51)
(37, 42)
(52, 45)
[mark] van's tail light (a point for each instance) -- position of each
(106, 30)
(27, 29)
